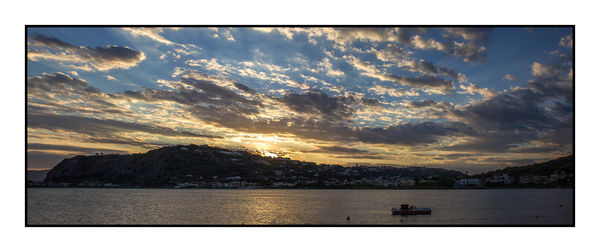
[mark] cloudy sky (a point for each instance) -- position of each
(470, 99)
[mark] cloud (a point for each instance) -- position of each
(392, 53)
(428, 68)
(509, 77)
(86, 58)
(148, 32)
(430, 104)
(100, 127)
(346, 35)
(539, 70)
(61, 92)
(426, 82)
(566, 41)
(507, 120)
(227, 34)
(468, 51)
(479, 35)
(57, 83)
(326, 65)
(472, 50)
(70, 148)
(319, 103)
(427, 44)
(473, 89)
(381, 90)
(287, 32)
(340, 149)
(111, 78)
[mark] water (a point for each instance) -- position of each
(98, 206)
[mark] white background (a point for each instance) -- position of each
(12, 97)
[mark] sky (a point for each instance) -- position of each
(463, 98)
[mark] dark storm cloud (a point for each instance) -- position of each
(100, 58)
(99, 127)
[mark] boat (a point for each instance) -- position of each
(405, 209)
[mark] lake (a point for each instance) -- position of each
(104, 206)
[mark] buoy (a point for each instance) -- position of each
(401, 220)
(348, 218)
(560, 205)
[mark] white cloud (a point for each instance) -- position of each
(509, 77)
(427, 44)
(392, 53)
(539, 70)
(111, 78)
(149, 32)
(566, 41)
(228, 35)
(473, 89)
(326, 66)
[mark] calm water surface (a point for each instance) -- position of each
(72, 206)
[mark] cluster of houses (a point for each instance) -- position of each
(506, 180)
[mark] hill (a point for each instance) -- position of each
(205, 166)
(557, 172)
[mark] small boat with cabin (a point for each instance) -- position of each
(405, 209)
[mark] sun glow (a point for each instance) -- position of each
(268, 154)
